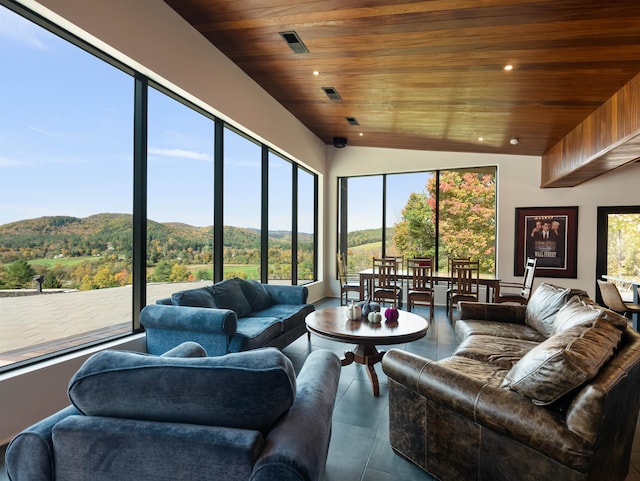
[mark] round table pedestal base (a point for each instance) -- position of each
(368, 355)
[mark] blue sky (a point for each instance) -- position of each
(66, 141)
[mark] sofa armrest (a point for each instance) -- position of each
(486, 311)
(169, 326)
(29, 456)
(287, 294)
(297, 447)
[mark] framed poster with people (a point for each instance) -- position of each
(548, 234)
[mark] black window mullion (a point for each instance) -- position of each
(294, 225)
(218, 200)
(140, 127)
(264, 217)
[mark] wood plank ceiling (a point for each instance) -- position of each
(429, 74)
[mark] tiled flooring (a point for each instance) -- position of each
(359, 447)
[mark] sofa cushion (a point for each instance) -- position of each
(579, 311)
(228, 294)
(469, 327)
(200, 297)
(247, 390)
(563, 362)
(543, 306)
(290, 315)
(256, 294)
(503, 352)
(254, 332)
(486, 373)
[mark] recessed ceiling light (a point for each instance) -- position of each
(361, 134)
(508, 67)
(315, 72)
(481, 139)
(514, 141)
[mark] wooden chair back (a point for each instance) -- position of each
(420, 272)
(342, 274)
(385, 272)
(465, 276)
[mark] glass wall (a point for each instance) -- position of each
(409, 215)
(306, 226)
(103, 174)
(66, 186)
(440, 213)
(467, 216)
(364, 225)
(242, 206)
(280, 219)
(179, 203)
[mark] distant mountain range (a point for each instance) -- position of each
(48, 236)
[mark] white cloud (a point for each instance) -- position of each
(47, 133)
(5, 162)
(183, 154)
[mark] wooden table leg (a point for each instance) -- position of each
(368, 355)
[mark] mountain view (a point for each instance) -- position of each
(95, 252)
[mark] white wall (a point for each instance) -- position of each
(518, 186)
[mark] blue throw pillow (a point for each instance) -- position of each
(228, 294)
(256, 294)
(247, 390)
(201, 297)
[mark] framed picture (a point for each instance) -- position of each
(550, 235)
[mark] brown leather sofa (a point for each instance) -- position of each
(547, 391)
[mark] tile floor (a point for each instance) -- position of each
(359, 447)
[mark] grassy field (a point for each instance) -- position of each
(64, 262)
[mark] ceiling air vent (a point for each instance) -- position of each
(352, 121)
(332, 93)
(294, 42)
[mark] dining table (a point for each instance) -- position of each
(490, 281)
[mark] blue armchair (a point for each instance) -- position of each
(138, 417)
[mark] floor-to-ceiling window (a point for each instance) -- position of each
(280, 174)
(361, 204)
(445, 213)
(307, 220)
(618, 247)
(111, 190)
(467, 216)
(179, 195)
(242, 205)
(66, 121)
(409, 215)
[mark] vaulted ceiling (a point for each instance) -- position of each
(430, 74)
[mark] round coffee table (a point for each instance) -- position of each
(332, 323)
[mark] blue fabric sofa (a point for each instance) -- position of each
(233, 315)
(139, 417)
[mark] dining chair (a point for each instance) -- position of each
(347, 284)
(465, 278)
(385, 288)
(451, 261)
(613, 300)
(521, 297)
(420, 283)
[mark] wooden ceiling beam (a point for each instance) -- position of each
(607, 139)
